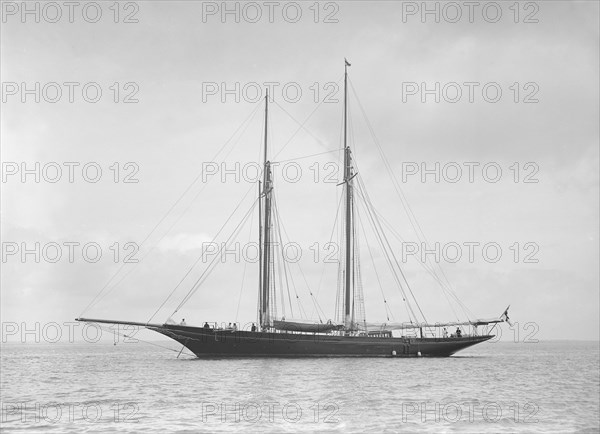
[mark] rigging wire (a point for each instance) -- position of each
(315, 303)
(358, 299)
(100, 295)
(339, 296)
(394, 233)
(278, 246)
(388, 311)
(191, 268)
(115, 332)
(372, 213)
(427, 266)
(412, 218)
(389, 253)
(306, 156)
(283, 260)
(244, 273)
(211, 266)
(329, 243)
(301, 125)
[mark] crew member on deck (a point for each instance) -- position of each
(183, 322)
(253, 327)
(445, 332)
(458, 332)
(206, 326)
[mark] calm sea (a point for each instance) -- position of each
(494, 387)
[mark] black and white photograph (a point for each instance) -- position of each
(306, 216)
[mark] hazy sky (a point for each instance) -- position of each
(178, 62)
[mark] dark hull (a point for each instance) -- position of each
(226, 343)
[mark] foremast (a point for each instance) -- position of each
(265, 200)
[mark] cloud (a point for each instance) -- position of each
(184, 243)
(171, 132)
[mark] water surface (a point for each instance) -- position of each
(493, 387)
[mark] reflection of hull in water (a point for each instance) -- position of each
(225, 343)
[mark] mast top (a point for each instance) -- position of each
(346, 65)
(266, 124)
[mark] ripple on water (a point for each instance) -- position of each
(546, 387)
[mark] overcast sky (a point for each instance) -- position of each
(178, 61)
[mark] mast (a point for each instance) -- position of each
(260, 250)
(266, 230)
(348, 272)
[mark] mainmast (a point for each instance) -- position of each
(265, 230)
(349, 265)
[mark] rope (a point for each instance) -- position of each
(210, 267)
(108, 329)
(301, 125)
(412, 218)
(388, 252)
(237, 312)
(201, 255)
(387, 311)
(306, 156)
(100, 294)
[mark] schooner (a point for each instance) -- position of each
(350, 335)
